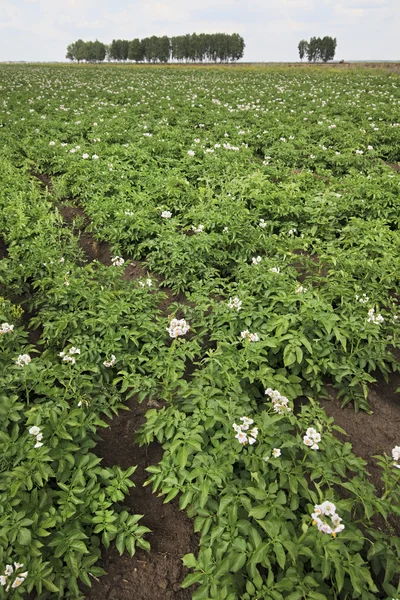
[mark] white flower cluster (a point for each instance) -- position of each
(23, 359)
(198, 229)
(291, 232)
(166, 214)
(235, 303)
(276, 453)
(312, 438)
(396, 456)
(70, 356)
(275, 270)
(8, 572)
(281, 403)
(373, 318)
(147, 282)
(256, 260)
(326, 519)
(191, 153)
(177, 327)
(362, 299)
(117, 261)
(38, 435)
(6, 328)
(241, 435)
(251, 337)
(262, 223)
(228, 146)
(301, 289)
(111, 362)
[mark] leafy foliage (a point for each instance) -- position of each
(266, 202)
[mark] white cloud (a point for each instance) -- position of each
(271, 28)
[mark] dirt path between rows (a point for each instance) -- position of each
(154, 575)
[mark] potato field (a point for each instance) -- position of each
(199, 333)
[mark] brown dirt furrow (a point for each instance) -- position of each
(147, 576)
(375, 433)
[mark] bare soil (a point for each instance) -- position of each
(147, 576)
(375, 433)
(3, 249)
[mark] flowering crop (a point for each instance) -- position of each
(285, 174)
(117, 261)
(396, 456)
(23, 359)
(235, 302)
(245, 435)
(312, 438)
(178, 327)
(280, 402)
(6, 328)
(251, 337)
(326, 519)
(12, 579)
(69, 356)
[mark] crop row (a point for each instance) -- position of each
(266, 201)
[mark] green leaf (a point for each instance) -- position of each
(130, 545)
(296, 595)
(49, 585)
(237, 562)
(258, 512)
(280, 555)
(24, 536)
(190, 561)
(191, 579)
(79, 546)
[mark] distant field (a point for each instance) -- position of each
(338, 64)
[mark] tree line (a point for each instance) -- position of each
(318, 49)
(193, 47)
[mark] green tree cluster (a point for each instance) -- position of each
(190, 47)
(89, 51)
(318, 49)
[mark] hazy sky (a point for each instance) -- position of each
(39, 30)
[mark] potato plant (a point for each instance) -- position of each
(266, 202)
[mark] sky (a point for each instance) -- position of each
(40, 30)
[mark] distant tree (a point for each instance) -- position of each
(90, 52)
(237, 46)
(190, 47)
(328, 48)
(163, 49)
(118, 49)
(150, 48)
(313, 49)
(124, 49)
(71, 51)
(80, 50)
(113, 50)
(318, 49)
(99, 50)
(135, 50)
(302, 47)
